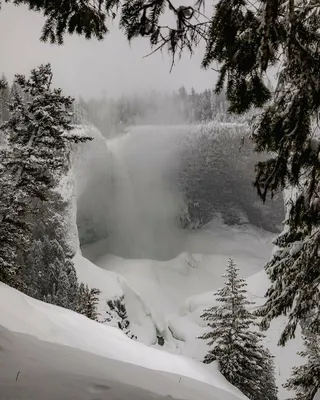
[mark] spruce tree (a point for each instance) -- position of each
(235, 341)
(305, 380)
(88, 300)
(39, 138)
(4, 99)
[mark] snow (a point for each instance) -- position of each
(76, 357)
(112, 285)
(155, 291)
(285, 357)
(56, 325)
(164, 285)
(177, 291)
(37, 370)
(295, 248)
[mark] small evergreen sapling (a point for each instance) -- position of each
(235, 342)
(117, 316)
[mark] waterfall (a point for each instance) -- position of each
(129, 197)
(124, 196)
(143, 208)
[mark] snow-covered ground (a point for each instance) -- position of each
(164, 286)
(33, 368)
(173, 294)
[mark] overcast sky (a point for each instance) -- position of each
(92, 68)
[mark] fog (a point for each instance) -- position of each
(93, 68)
(125, 195)
(133, 190)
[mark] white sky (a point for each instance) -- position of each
(91, 68)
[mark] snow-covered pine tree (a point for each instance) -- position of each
(3, 83)
(235, 341)
(48, 270)
(305, 380)
(294, 266)
(88, 302)
(4, 99)
(92, 304)
(39, 137)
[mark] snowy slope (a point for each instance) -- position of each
(143, 321)
(165, 285)
(178, 290)
(35, 370)
(57, 325)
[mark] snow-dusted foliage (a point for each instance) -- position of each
(305, 380)
(235, 342)
(88, 300)
(116, 315)
(4, 99)
(294, 269)
(35, 255)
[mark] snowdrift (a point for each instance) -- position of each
(177, 291)
(155, 291)
(35, 370)
(61, 366)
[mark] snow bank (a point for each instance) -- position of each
(20, 313)
(112, 285)
(35, 370)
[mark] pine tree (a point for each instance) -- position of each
(88, 300)
(235, 342)
(3, 83)
(93, 299)
(60, 297)
(293, 270)
(4, 99)
(49, 275)
(305, 380)
(39, 137)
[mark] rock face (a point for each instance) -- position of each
(216, 176)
